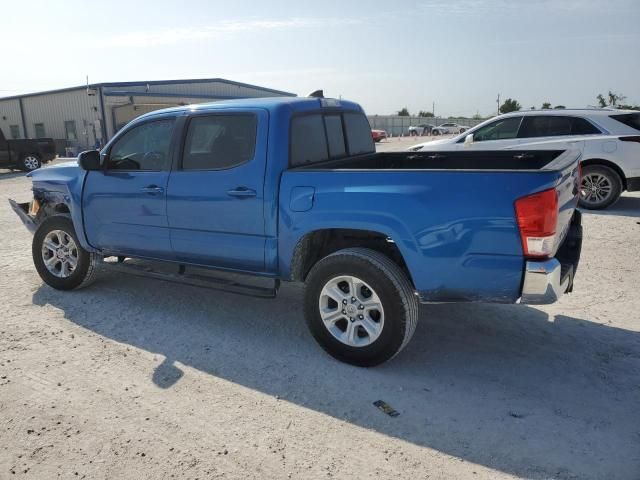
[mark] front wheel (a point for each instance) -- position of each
(30, 162)
(58, 257)
(601, 187)
(360, 306)
(435, 132)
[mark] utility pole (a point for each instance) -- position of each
(498, 102)
(433, 109)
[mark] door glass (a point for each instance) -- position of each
(504, 129)
(545, 126)
(145, 147)
(335, 136)
(219, 141)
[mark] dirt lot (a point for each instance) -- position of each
(135, 378)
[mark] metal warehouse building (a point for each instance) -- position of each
(83, 117)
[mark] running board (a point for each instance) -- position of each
(164, 271)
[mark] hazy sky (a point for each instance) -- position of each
(383, 54)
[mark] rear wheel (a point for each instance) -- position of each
(30, 162)
(435, 132)
(360, 306)
(601, 187)
(58, 257)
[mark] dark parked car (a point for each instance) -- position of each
(26, 154)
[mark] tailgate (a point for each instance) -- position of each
(568, 188)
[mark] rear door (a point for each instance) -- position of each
(124, 205)
(555, 131)
(215, 192)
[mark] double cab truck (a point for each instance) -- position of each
(26, 154)
(291, 189)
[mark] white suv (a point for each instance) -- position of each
(609, 140)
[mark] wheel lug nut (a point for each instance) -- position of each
(344, 311)
(361, 307)
(344, 302)
(351, 319)
(353, 299)
(361, 317)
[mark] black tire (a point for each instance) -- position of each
(608, 177)
(391, 285)
(462, 130)
(30, 162)
(435, 133)
(87, 262)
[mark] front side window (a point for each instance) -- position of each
(503, 129)
(145, 147)
(70, 130)
(219, 141)
(39, 130)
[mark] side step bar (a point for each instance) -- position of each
(138, 268)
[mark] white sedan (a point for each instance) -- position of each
(449, 128)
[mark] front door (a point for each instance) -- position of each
(497, 135)
(215, 194)
(124, 205)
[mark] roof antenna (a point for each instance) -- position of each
(316, 94)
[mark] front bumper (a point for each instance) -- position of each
(22, 210)
(547, 280)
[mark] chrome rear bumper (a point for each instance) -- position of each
(544, 282)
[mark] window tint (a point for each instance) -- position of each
(219, 141)
(335, 136)
(502, 129)
(580, 126)
(545, 126)
(629, 119)
(358, 134)
(145, 147)
(308, 143)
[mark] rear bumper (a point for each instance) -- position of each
(22, 210)
(547, 280)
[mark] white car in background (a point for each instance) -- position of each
(449, 128)
(609, 140)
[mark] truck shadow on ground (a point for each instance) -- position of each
(499, 385)
(624, 207)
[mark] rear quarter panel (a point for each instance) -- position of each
(456, 230)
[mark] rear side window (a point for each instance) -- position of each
(358, 134)
(550, 126)
(308, 142)
(582, 127)
(219, 141)
(629, 119)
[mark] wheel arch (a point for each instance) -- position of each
(609, 164)
(317, 244)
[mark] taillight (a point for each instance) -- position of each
(635, 138)
(537, 217)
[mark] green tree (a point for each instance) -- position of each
(510, 105)
(477, 116)
(546, 106)
(601, 101)
(423, 113)
(612, 99)
(404, 112)
(559, 107)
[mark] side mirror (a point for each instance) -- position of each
(89, 160)
(468, 140)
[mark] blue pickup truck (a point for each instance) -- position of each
(291, 189)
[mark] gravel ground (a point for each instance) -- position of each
(136, 378)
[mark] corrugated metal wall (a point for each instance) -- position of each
(10, 115)
(55, 108)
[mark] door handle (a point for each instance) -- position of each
(152, 189)
(242, 192)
